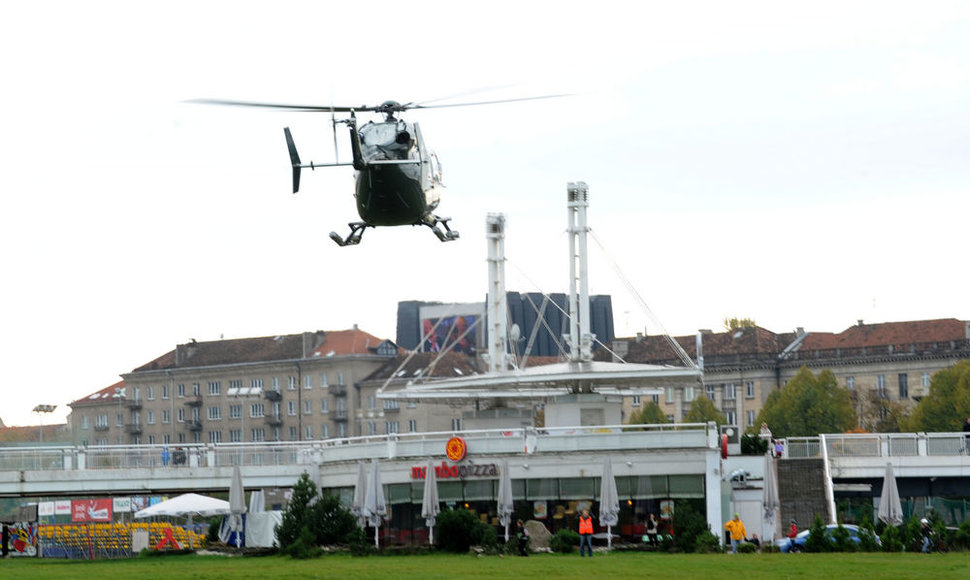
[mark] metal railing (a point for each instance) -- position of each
(879, 445)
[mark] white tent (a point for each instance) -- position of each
(188, 504)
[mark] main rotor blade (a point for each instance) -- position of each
(300, 108)
(495, 102)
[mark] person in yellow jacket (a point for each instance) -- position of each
(736, 527)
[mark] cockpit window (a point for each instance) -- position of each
(390, 140)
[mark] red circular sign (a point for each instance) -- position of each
(456, 448)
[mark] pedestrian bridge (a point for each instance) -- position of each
(140, 469)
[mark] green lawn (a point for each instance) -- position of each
(543, 566)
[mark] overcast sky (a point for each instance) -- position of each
(801, 164)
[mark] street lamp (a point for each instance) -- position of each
(40, 410)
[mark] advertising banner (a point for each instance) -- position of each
(91, 510)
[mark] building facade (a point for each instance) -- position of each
(282, 388)
(881, 363)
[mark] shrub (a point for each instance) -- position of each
(770, 549)
(843, 542)
(753, 444)
(707, 543)
(360, 544)
(891, 540)
(817, 540)
(303, 547)
(744, 548)
(564, 541)
(459, 529)
(867, 536)
(688, 525)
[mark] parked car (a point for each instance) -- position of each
(798, 544)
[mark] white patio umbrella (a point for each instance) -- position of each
(360, 495)
(770, 498)
(237, 504)
(609, 501)
(187, 504)
(890, 508)
(429, 503)
(505, 502)
(257, 501)
(374, 506)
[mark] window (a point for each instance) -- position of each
(324, 405)
(165, 392)
(371, 428)
(197, 437)
(710, 391)
(120, 420)
(259, 434)
(308, 382)
(166, 439)
(196, 389)
(180, 416)
(456, 424)
(215, 436)
(323, 380)
(257, 410)
(636, 400)
(655, 399)
(340, 379)
(181, 437)
(166, 416)
(291, 408)
(235, 436)
(291, 383)
(392, 427)
(372, 402)
(924, 380)
(307, 407)
(850, 383)
(235, 411)
(669, 395)
(276, 383)
(688, 394)
(391, 405)
(180, 391)
(341, 429)
(750, 418)
(325, 431)
(150, 419)
(732, 418)
(412, 425)
(214, 413)
(749, 390)
(903, 385)
(292, 433)
(730, 392)
(151, 393)
(256, 384)
(881, 386)
(151, 439)
(308, 432)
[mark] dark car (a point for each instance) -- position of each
(798, 544)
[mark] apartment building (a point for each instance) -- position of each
(892, 361)
(279, 388)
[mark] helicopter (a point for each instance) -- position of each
(398, 179)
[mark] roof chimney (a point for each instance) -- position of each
(860, 322)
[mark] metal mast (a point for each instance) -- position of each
(580, 339)
(497, 306)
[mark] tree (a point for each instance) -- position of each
(948, 404)
(703, 410)
(296, 516)
(809, 405)
(736, 323)
(311, 520)
(649, 414)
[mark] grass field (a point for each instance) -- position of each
(870, 566)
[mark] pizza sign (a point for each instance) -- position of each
(456, 448)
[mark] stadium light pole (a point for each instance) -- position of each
(40, 410)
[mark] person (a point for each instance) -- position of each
(765, 432)
(779, 448)
(652, 530)
(738, 535)
(792, 533)
(522, 535)
(966, 436)
(927, 531)
(754, 540)
(585, 533)
(165, 456)
(6, 541)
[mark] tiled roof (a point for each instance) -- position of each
(265, 349)
(751, 340)
(345, 342)
(888, 333)
(98, 397)
(420, 364)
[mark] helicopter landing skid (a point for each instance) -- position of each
(445, 236)
(353, 238)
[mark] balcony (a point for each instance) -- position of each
(194, 425)
(133, 404)
(339, 415)
(273, 395)
(338, 390)
(133, 428)
(101, 427)
(193, 401)
(274, 420)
